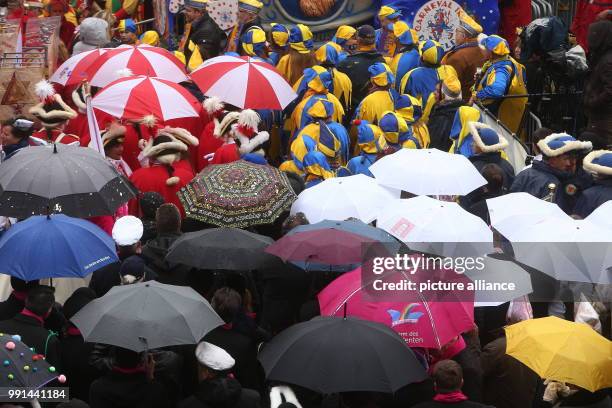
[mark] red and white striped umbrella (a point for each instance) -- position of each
(73, 70)
(141, 60)
(135, 97)
(244, 82)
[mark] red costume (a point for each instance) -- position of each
(131, 148)
(154, 179)
(207, 147)
(79, 126)
(57, 136)
(226, 154)
(513, 14)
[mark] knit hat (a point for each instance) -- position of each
(254, 41)
(115, 133)
(380, 74)
(409, 108)
(393, 125)
(316, 78)
(598, 162)
(493, 43)
(467, 23)
(252, 6)
(132, 270)
(246, 132)
(370, 138)
(280, 34)
(486, 138)
(127, 230)
(127, 25)
(51, 110)
(343, 33)
(389, 12)
(560, 143)
(432, 52)
(300, 39)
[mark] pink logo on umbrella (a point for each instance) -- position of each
(402, 228)
(407, 316)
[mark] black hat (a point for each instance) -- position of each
(132, 270)
(77, 301)
(366, 34)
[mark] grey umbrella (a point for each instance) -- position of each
(147, 315)
(495, 272)
(76, 181)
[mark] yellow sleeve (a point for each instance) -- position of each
(394, 64)
(404, 81)
(195, 60)
(283, 67)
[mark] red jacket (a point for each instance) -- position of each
(154, 179)
(207, 146)
(56, 136)
(130, 144)
(226, 154)
(79, 126)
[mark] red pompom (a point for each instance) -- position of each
(357, 122)
(246, 130)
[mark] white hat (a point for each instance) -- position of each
(127, 230)
(213, 357)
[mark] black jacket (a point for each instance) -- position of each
(10, 307)
(535, 181)
(34, 335)
(204, 29)
(440, 124)
(221, 393)
(75, 363)
(105, 278)
(120, 390)
(482, 159)
(593, 197)
(154, 254)
(356, 67)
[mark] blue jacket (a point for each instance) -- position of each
(345, 141)
(593, 197)
(406, 61)
(420, 83)
(361, 164)
(535, 181)
(9, 151)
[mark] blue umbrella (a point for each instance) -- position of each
(390, 243)
(55, 246)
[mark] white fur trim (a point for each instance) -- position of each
(154, 151)
(249, 118)
(567, 147)
(212, 105)
(148, 120)
(44, 89)
(593, 168)
(124, 73)
(115, 131)
(180, 134)
(283, 393)
(39, 111)
(474, 127)
(172, 181)
(222, 127)
(78, 102)
(248, 145)
(481, 37)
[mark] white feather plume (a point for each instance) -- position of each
(44, 89)
(148, 120)
(249, 118)
(212, 105)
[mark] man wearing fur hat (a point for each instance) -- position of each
(165, 174)
(53, 114)
(488, 147)
(598, 163)
(79, 125)
(551, 178)
(242, 138)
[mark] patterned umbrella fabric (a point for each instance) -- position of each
(141, 60)
(238, 194)
(73, 70)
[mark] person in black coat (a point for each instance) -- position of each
(16, 300)
(217, 389)
(598, 163)
(29, 324)
(557, 167)
(442, 115)
(75, 351)
(130, 384)
(488, 147)
(494, 188)
(356, 65)
(448, 381)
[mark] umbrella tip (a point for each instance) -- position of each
(54, 147)
(344, 317)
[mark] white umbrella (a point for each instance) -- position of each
(566, 249)
(437, 227)
(340, 198)
(602, 215)
(427, 172)
(513, 211)
(509, 281)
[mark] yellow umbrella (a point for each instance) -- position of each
(563, 351)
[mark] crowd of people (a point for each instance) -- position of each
(364, 94)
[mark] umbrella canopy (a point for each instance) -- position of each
(340, 198)
(133, 98)
(222, 248)
(140, 60)
(72, 180)
(436, 227)
(147, 315)
(244, 82)
(55, 246)
(73, 70)
(566, 249)
(427, 172)
(331, 355)
(239, 194)
(21, 366)
(563, 351)
(513, 211)
(422, 324)
(602, 215)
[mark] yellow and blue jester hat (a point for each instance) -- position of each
(409, 108)
(254, 41)
(316, 78)
(393, 125)
(321, 109)
(389, 13)
(370, 138)
(404, 34)
(494, 43)
(316, 164)
(300, 39)
(327, 54)
(381, 75)
(343, 33)
(279, 35)
(431, 52)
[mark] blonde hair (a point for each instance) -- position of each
(298, 63)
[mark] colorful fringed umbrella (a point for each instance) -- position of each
(238, 194)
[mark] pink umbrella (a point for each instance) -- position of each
(244, 82)
(135, 97)
(73, 70)
(141, 60)
(423, 323)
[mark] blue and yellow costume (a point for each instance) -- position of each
(254, 44)
(421, 82)
(410, 109)
(397, 132)
(371, 142)
(385, 40)
(383, 96)
(316, 168)
(460, 131)
(234, 38)
(502, 76)
(300, 40)
(408, 56)
(343, 33)
(279, 37)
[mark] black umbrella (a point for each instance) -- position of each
(222, 248)
(76, 181)
(332, 354)
(147, 315)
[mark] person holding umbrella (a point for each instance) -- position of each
(217, 389)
